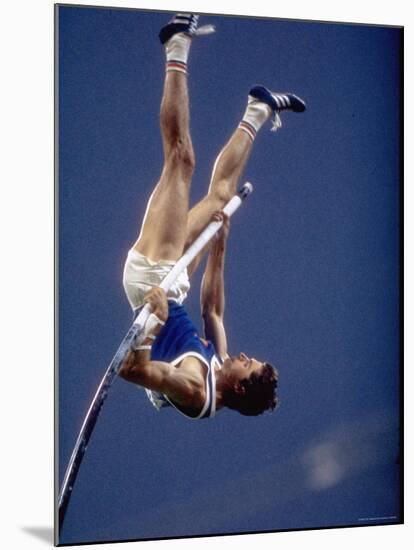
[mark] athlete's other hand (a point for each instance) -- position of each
(223, 232)
(157, 299)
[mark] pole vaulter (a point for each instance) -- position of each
(162, 352)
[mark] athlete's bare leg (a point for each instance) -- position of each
(163, 231)
(231, 161)
(223, 185)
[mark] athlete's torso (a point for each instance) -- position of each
(179, 344)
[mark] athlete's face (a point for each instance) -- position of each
(241, 366)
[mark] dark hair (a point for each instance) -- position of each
(260, 392)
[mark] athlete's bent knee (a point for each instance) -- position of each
(181, 156)
(221, 192)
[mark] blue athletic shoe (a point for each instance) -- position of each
(186, 23)
(278, 101)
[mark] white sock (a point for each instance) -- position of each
(254, 117)
(177, 50)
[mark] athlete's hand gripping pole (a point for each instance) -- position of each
(132, 338)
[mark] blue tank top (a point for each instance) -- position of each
(178, 339)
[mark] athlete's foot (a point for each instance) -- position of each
(277, 102)
(186, 23)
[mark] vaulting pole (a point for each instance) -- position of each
(132, 337)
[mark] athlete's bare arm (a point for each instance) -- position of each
(184, 385)
(212, 289)
(158, 376)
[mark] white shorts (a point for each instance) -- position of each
(141, 274)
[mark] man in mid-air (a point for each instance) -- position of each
(177, 367)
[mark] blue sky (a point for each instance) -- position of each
(311, 277)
